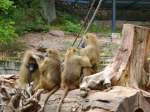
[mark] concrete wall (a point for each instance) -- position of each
(9, 67)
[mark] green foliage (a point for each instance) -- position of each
(71, 27)
(7, 31)
(29, 20)
(5, 5)
(67, 22)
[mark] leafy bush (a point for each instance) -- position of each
(7, 30)
(67, 22)
(71, 27)
(5, 5)
(27, 20)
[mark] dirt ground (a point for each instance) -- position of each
(34, 40)
(61, 41)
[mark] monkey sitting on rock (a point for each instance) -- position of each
(29, 70)
(50, 69)
(91, 50)
(70, 77)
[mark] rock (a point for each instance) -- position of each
(57, 33)
(116, 99)
(43, 46)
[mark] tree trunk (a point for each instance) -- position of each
(128, 67)
(48, 10)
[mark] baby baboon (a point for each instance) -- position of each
(29, 70)
(50, 71)
(71, 73)
(91, 50)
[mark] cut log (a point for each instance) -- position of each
(128, 66)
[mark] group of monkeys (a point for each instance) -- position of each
(50, 74)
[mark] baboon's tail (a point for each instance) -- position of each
(50, 93)
(62, 99)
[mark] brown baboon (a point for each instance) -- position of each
(50, 71)
(70, 76)
(50, 78)
(29, 70)
(91, 50)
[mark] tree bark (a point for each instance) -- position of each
(48, 10)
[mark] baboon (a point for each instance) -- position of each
(29, 70)
(50, 71)
(70, 76)
(91, 50)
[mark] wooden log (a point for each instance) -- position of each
(127, 68)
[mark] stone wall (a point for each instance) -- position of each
(9, 67)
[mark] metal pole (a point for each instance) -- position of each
(113, 16)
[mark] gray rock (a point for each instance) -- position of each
(57, 33)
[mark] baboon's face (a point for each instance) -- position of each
(32, 60)
(32, 65)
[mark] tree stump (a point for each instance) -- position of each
(130, 63)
